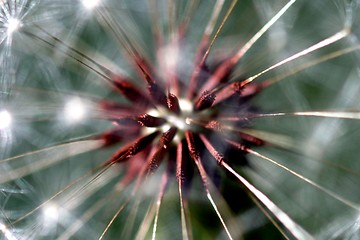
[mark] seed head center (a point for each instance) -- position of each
(179, 121)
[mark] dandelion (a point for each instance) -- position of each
(150, 120)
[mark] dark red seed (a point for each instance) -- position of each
(118, 135)
(130, 91)
(167, 137)
(220, 75)
(218, 156)
(184, 168)
(173, 103)
(157, 94)
(251, 140)
(192, 146)
(132, 149)
(147, 120)
(206, 100)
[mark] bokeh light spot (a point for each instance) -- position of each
(13, 24)
(5, 119)
(75, 110)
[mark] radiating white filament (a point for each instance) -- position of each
(292, 226)
(326, 42)
(48, 157)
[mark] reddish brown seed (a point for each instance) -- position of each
(155, 160)
(220, 75)
(147, 120)
(173, 103)
(218, 156)
(157, 94)
(130, 91)
(214, 125)
(249, 139)
(205, 101)
(167, 137)
(184, 168)
(132, 149)
(193, 150)
(145, 68)
(118, 135)
(111, 106)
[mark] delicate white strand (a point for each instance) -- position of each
(261, 32)
(330, 40)
(58, 153)
(328, 114)
(328, 192)
(292, 226)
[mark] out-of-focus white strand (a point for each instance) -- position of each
(216, 11)
(51, 157)
(7, 233)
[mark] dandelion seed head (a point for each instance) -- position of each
(190, 119)
(74, 110)
(5, 119)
